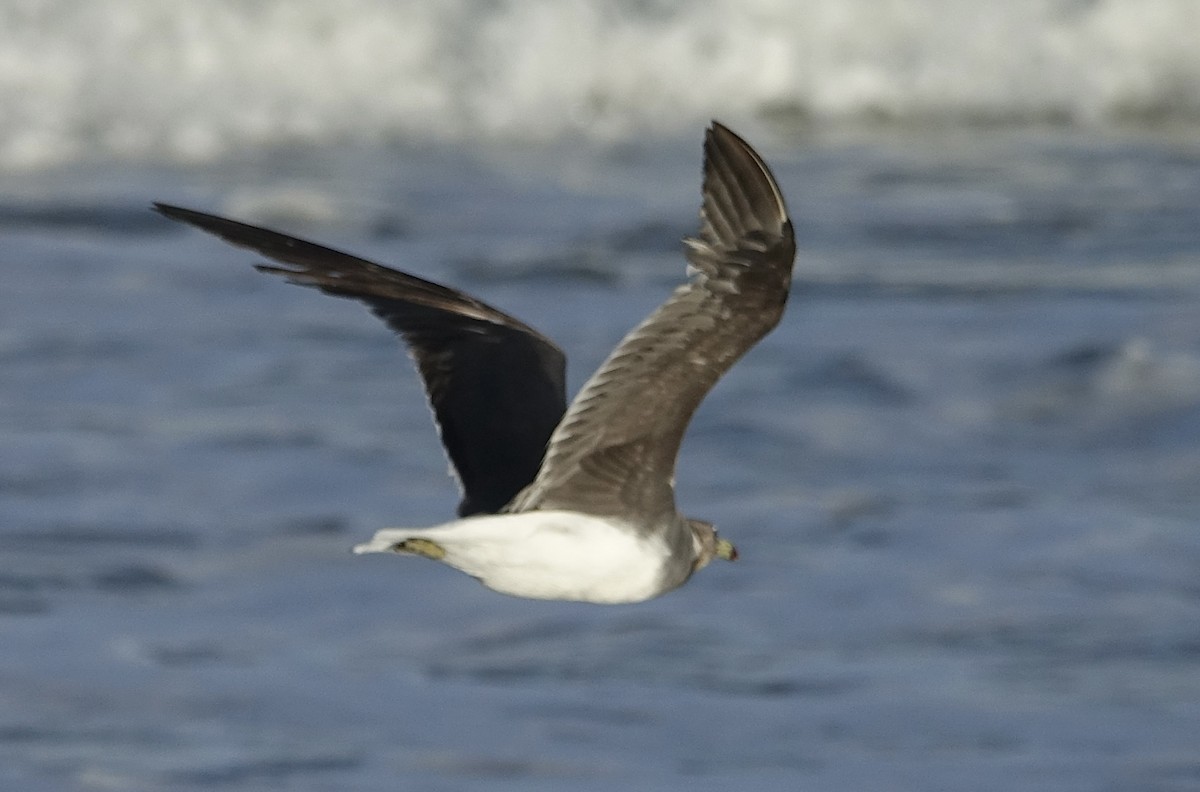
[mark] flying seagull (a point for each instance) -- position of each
(571, 503)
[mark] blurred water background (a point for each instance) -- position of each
(963, 473)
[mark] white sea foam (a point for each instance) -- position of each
(183, 80)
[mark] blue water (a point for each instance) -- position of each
(963, 474)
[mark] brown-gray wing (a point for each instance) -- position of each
(614, 451)
(495, 384)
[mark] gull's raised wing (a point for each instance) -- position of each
(614, 451)
(496, 385)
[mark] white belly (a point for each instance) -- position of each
(546, 555)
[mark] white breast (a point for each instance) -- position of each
(554, 555)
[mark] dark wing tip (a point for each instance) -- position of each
(191, 216)
(232, 231)
(744, 225)
(173, 212)
(740, 193)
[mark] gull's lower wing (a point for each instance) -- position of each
(614, 451)
(496, 385)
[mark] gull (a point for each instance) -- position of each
(570, 503)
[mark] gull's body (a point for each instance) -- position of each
(572, 503)
(545, 554)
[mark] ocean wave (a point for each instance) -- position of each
(176, 80)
